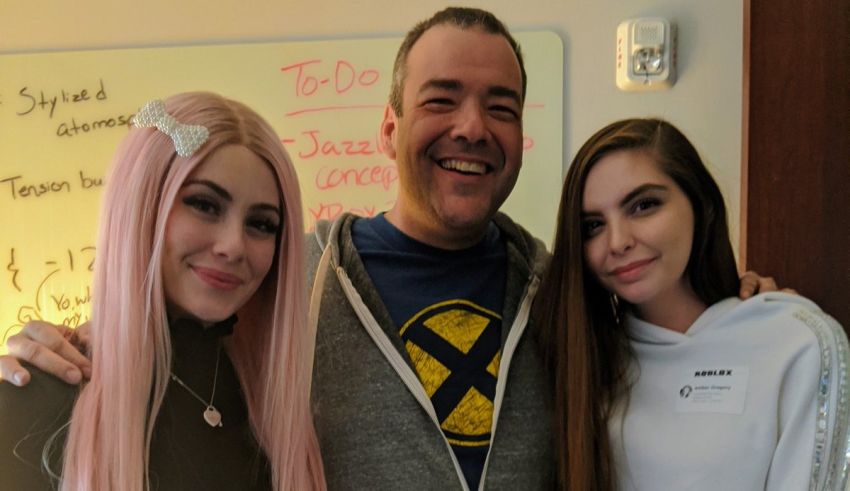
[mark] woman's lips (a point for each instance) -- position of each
(631, 271)
(217, 279)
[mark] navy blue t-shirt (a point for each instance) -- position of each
(447, 306)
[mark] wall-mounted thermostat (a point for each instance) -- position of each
(646, 54)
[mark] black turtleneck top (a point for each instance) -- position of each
(186, 453)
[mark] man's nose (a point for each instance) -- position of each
(471, 123)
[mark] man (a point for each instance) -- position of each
(422, 370)
(426, 374)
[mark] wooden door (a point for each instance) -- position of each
(795, 202)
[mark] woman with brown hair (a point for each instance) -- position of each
(662, 378)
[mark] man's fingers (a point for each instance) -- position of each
(79, 340)
(45, 346)
(12, 371)
(749, 284)
(752, 283)
(767, 284)
(39, 355)
(81, 337)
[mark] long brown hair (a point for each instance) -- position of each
(583, 340)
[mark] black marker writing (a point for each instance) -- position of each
(14, 270)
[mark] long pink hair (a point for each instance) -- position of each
(109, 439)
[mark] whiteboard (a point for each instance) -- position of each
(62, 115)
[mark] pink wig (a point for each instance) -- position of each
(131, 348)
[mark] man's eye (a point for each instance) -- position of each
(438, 102)
(504, 112)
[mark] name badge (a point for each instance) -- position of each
(715, 389)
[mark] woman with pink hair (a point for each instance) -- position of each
(200, 354)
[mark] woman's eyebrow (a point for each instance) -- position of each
(267, 207)
(210, 184)
(226, 195)
(640, 190)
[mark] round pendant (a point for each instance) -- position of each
(212, 417)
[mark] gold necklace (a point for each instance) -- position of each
(211, 414)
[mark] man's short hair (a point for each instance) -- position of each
(462, 17)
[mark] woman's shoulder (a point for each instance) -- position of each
(814, 341)
(786, 313)
(30, 418)
(782, 326)
(44, 391)
(819, 366)
(832, 394)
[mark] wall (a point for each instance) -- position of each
(705, 102)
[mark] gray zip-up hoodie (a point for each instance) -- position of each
(376, 425)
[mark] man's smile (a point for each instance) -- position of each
(464, 166)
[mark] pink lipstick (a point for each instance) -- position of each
(631, 271)
(217, 279)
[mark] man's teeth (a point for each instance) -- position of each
(464, 166)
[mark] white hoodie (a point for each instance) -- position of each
(753, 396)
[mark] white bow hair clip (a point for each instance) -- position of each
(187, 138)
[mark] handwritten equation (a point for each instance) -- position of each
(59, 291)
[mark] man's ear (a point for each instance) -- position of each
(388, 129)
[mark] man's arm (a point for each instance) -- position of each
(58, 349)
(55, 349)
(752, 283)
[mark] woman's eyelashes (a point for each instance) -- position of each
(591, 227)
(210, 208)
(264, 225)
(638, 207)
(204, 205)
(646, 204)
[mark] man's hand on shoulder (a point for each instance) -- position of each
(55, 349)
(752, 283)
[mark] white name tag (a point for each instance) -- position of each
(714, 389)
